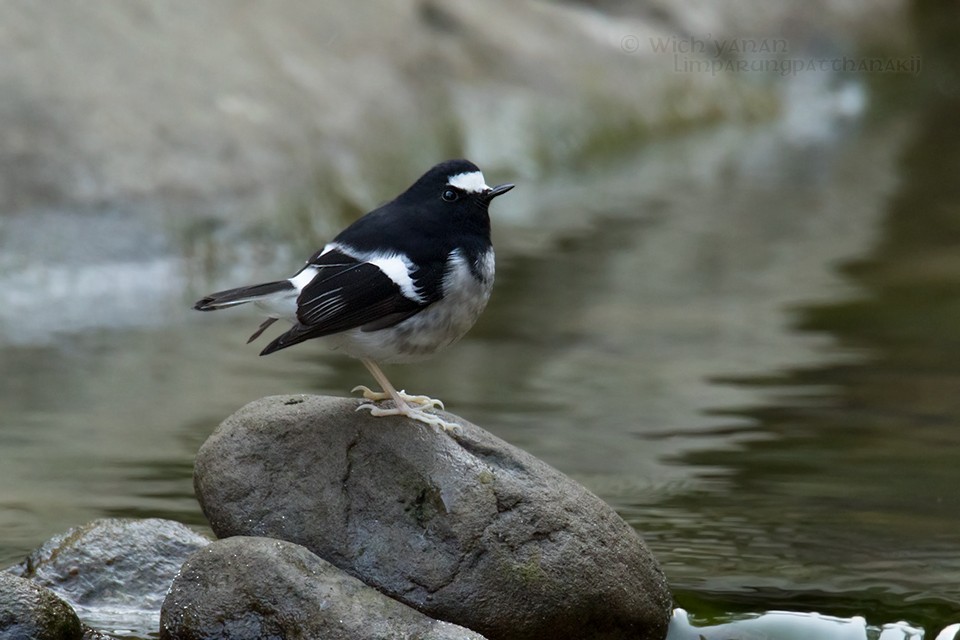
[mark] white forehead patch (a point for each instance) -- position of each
(472, 182)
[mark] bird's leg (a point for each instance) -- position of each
(389, 393)
(400, 401)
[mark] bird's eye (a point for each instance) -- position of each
(449, 195)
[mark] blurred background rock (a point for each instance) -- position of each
(195, 103)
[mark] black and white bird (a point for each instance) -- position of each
(401, 283)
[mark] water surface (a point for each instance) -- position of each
(745, 339)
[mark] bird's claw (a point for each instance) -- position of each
(378, 396)
(414, 414)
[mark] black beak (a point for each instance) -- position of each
(498, 190)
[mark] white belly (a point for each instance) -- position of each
(436, 327)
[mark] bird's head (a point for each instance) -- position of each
(454, 186)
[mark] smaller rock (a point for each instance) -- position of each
(261, 588)
(115, 572)
(28, 610)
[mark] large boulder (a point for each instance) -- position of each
(28, 610)
(463, 527)
(253, 588)
(114, 571)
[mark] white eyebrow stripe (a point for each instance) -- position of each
(397, 268)
(472, 182)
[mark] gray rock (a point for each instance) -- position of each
(255, 588)
(31, 612)
(464, 527)
(114, 572)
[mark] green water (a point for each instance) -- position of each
(747, 340)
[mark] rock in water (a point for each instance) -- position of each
(28, 610)
(253, 588)
(463, 527)
(114, 571)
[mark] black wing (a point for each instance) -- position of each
(346, 293)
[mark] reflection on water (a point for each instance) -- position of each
(848, 501)
(742, 339)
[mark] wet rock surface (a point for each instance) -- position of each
(29, 611)
(463, 527)
(114, 572)
(253, 588)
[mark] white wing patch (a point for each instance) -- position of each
(397, 268)
(472, 182)
(304, 278)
